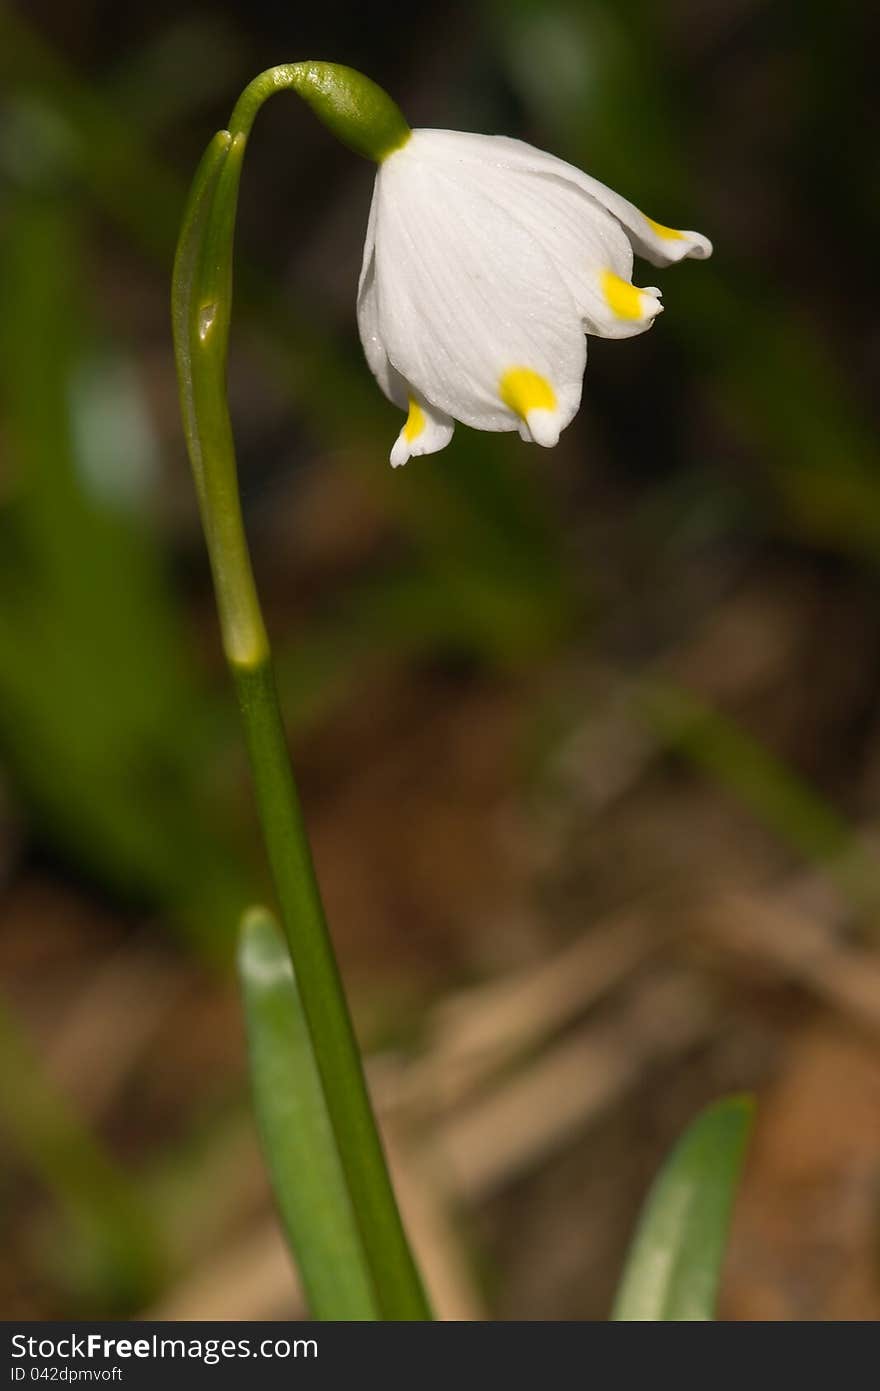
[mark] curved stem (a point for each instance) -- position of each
(355, 109)
(201, 306)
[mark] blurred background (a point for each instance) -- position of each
(589, 740)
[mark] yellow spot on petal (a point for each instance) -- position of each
(524, 390)
(623, 299)
(415, 422)
(667, 233)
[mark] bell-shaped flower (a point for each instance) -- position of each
(486, 262)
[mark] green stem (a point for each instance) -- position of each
(398, 1289)
(201, 306)
(356, 110)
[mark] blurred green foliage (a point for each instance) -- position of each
(98, 701)
(107, 1251)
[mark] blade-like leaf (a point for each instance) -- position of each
(674, 1263)
(295, 1130)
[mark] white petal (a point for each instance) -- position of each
(658, 244)
(388, 378)
(466, 295)
(426, 431)
(589, 248)
(652, 240)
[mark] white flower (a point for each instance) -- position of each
(486, 262)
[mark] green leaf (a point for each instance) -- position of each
(296, 1133)
(674, 1263)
